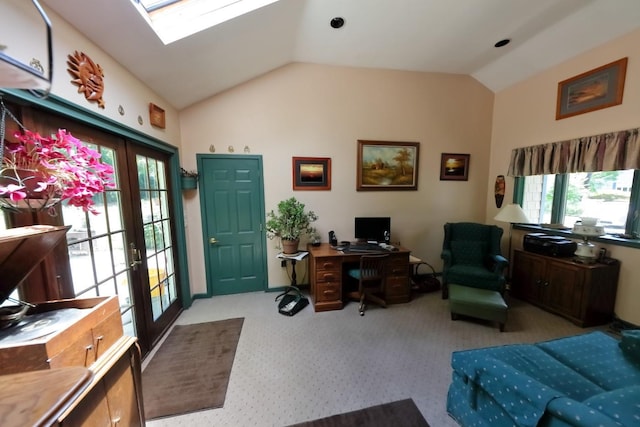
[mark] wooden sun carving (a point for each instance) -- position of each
(87, 75)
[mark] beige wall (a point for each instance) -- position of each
(23, 31)
(524, 115)
(321, 111)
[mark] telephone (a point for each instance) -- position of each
(333, 240)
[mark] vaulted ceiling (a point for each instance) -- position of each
(449, 36)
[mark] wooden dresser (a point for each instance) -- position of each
(82, 337)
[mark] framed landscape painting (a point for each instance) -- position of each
(311, 173)
(384, 165)
(596, 89)
(454, 167)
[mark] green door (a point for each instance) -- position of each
(232, 204)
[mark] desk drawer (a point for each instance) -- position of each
(328, 291)
(398, 266)
(323, 276)
(328, 264)
(397, 287)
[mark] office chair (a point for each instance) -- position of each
(370, 276)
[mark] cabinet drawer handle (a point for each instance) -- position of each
(99, 339)
(88, 349)
(328, 277)
(329, 292)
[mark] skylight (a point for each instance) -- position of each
(173, 20)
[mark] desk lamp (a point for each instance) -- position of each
(513, 214)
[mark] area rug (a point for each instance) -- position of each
(191, 369)
(402, 413)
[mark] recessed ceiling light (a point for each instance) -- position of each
(502, 42)
(337, 22)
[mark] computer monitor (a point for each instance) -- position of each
(375, 229)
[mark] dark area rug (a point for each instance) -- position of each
(403, 413)
(191, 369)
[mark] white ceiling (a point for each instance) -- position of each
(449, 36)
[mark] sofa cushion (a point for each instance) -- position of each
(630, 344)
(621, 405)
(596, 356)
(468, 252)
(532, 361)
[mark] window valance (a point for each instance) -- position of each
(604, 152)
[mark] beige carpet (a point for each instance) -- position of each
(191, 369)
(402, 413)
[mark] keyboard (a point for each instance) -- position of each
(365, 248)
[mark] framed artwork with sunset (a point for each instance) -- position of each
(311, 173)
(454, 167)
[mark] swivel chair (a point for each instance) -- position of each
(371, 280)
(472, 257)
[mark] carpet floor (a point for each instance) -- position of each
(402, 413)
(191, 369)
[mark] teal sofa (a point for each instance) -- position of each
(586, 380)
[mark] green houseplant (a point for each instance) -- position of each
(289, 223)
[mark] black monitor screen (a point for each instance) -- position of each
(372, 228)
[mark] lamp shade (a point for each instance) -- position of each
(512, 213)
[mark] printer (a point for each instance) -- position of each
(544, 244)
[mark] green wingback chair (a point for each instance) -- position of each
(472, 257)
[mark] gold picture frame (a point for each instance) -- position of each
(387, 166)
(593, 90)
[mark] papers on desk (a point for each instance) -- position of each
(298, 256)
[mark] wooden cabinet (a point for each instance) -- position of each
(84, 333)
(583, 293)
(114, 396)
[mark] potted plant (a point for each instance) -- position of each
(289, 223)
(37, 172)
(189, 179)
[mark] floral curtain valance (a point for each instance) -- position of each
(605, 152)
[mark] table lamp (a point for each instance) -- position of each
(513, 214)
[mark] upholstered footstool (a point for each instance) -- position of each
(478, 303)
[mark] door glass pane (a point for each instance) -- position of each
(97, 246)
(157, 233)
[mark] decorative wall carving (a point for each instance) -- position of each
(87, 75)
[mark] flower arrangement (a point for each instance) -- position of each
(51, 170)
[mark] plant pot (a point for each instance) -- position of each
(35, 200)
(290, 246)
(189, 182)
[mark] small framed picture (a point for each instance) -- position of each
(156, 116)
(311, 173)
(454, 167)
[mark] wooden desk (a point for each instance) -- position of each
(328, 275)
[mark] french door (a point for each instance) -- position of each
(127, 249)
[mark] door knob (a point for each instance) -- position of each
(213, 240)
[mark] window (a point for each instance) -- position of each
(562, 199)
(173, 20)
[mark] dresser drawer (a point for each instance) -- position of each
(82, 352)
(328, 291)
